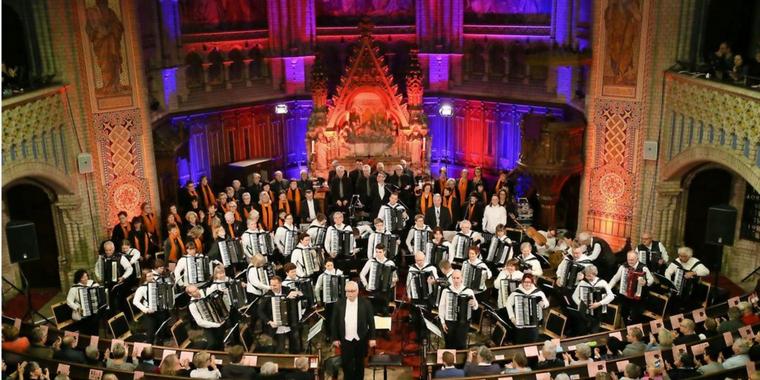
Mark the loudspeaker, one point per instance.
(721, 223)
(22, 241)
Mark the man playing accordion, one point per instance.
(336, 235)
(632, 279)
(114, 272)
(525, 307)
(82, 310)
(286, 238)
(308, 260)
(421, 288)
(213, 329)
(685, 273)
(455, 310)
(475, 272)
(155, 301)
(419, 235)
(462, 242)
(329, 289)
(382, 235)
(592, 295)
(528, 262)
(270, 310)
(570, 270)
(652, 253)
(379, 278)
(192, 268)
(393, 214)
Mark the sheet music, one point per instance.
(432, 327)
(315, 330)
(382, 323)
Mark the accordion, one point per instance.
(590, 295)
(343, 242)
(434, 253)
(389, 241)
(262, 274)
(319, 236)
(393, 218)
(461, 244)
(112, 269)
(266, 244)
(420, 240)
(160, 296)
(312, 261)
(650, 258)
(506, 287)
(457, 308)
(629, 283)
(213, 307)
(291, 239)
(498, 251)
(684, 287)
(306, 287)
(284, 311)
(472, 277)
(419, 289)
(234, 293)
(334, 288)
(231, 252)
(527, 311)
(92, 299)
(571, 274)
(380, 276)
(197, 269)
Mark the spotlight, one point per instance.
(446, 110)
(281, 109)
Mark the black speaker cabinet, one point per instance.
(22, 241)
(721, 223)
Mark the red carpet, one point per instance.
(16, 307)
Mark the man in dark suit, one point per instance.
(380, 194)
(235, 370)
(356, 172)
(353, 330)
(438, 216)
(448, 370)
(473, 211)
(340, 190)
(309, 207)
(68, 353)
(364, 186)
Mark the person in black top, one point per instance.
(687, 335)
(353, 330)
(235, 370)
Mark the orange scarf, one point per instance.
(267, 216)
(295, 197)
(198, 245)
(245, 212)
(231, 230)
(177, 219)
(284, 206)
(462, 191)
(222, 206)
(237, 216)
(149, 221)
(125, 230)
(448, 202)
(146, 242)
(271, 196)
(426, 201)
(469, 212)
(207, 195)
(176, 243)
(442, 184)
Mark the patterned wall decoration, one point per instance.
(121, 153)
(105, 48)
(621, 35)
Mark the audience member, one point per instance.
(734, 321)
(92, 357)
(448, 369)
(68, 353)
(519, 364)
(738, 70)
(33, 371)
(687, 335)
(549, 353)
(302, 370)
(118, 359)
(582, 355)
(740, 358)
(749, 317)
(269, 371)
(631, 372)
(146, 363)
(664, 340)
(712, 364)
(12, 342)
(635, 345)
(109, 376)
(684, 367)
(37, 348)
(235, 370)
(754, 70)
(171, 366)
(202, 361)
(711, 329)
(479, 363)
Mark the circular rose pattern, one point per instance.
(612, 186)
(126, 196)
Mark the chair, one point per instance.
(136, 313)
(555, 324)
(610, 318)
(499, 334)
(656, 305)
(180, 335)
(119, 327)
(247, 338)
(62, 314)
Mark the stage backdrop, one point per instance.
(199, 16)
(349, 12)
(511, 12)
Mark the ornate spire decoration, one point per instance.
(414, 88)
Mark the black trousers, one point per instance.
(294, 341)
(456, 337)
(151, 322)
(352, 354)
(526, 335)
(89, 325)
(215, 338)
(631, 310)
(328, 317)
(379, 301)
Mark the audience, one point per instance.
(235, 370)
(687, 335)
(748, 314)
(712, 364)
(269, 371)
(738, 70)
(448, 369)
(663, 342)
(734, 321)
(519, 364)
(711, 329)
(631, 372)
(635, 345)
(68, 353)
(38, 349)
(35, 372)
(92, 357)
(117, 359)
(479, 363)
(146, 363)
(740, 358)
(202, 361)
(171, 366)
(549, 353)
(12, 342)
(582, 355)
(685, 367)
(302, 370)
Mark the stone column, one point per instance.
(247, 71)
(668, 227)
(206, 80)
(227, 83)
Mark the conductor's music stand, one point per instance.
(313, 333)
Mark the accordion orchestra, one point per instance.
(213, 307)
(231, 252)
(160, 296)
(92, 299)
(630, 285)
(528, 312)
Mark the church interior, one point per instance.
(405, 189)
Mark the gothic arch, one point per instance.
(47, 175)
(690, 158)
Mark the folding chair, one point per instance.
(554, 326)
(62, 314)
(136, 313)
(119, 327)
(180, 334)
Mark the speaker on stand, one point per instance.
(22, 247)
(721, 227)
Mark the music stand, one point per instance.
(161, 329)
(314, 332)
(666, 282)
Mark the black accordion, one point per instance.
(390, 242)
(458, 307)
(289, 244)
(420, 239)
(112, 269)
(420, 291)
(684, 287)
(197, 269)
(92, 299)
(461, 246)
(306, 287)
(284, 311)
(473, 277)
(343, 242)
(160, 296)
(571, 274)
(506, 287)
(498, 251)
(590, 295)
(333, 288)
(312, 261)
(380, 276)
(528, 312)
(231, 252)
(393, 218)
(435, 253)
(213, 307)
(319, 236)
(234, 293)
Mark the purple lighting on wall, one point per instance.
(170, 87)
(438, 74)
(295, 74)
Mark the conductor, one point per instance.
(353, 329)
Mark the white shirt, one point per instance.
(199, 318)
(329, 237)
(180, 271)
(351, 319)
(312, 209)
(364, 275)
(123, 261)
(297, 258)
(443, 304)
(692, 265)
(205, 373)
(563, 268)
(520, 289)
(596, 283)
(279, 238)
(504, 275)
(534, 262)
(255, 285)
(133, 255)
(72, 299)
(413, 269)
(141, 299)
(619, 275)
(410, 237)
(374, 240)
(321, 282)
(493, 216)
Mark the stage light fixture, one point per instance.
(446, 110)
(281, 109)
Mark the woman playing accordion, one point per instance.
(475, 272)
(525, 307)
(308, 260)
(633, 278)
(570, 270)
(455, 310)
(155, 300)
(508, 280)
(685, 273)
(437, 249)
(463, 240)
(286, 237)
(330, 288)
(500, 248)
(592, 295)
(339, 240)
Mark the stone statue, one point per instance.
(105, 32)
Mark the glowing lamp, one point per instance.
(281, 109)
(446, 110)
